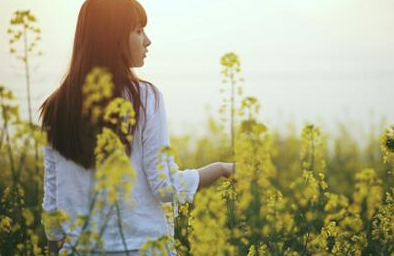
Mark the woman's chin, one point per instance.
(138, 65)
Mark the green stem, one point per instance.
(26, 61)
(120, 227)
(105, 224)
(86, 223)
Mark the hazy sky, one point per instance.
(305, 60)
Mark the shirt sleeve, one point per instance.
(54, 231)
(167, 182)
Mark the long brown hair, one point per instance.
(101, 39)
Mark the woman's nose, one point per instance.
(147, 41)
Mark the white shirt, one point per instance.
(67, 185)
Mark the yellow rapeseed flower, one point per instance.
(5, 224)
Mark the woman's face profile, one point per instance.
(138, 43)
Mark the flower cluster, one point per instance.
(387, 144)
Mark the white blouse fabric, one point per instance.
(67, 186)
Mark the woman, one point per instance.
(110, 34)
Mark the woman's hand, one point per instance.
(228, 169)
(212, 172)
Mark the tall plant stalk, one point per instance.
(23, 28)
(231, 69)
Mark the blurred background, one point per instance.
(324, 61)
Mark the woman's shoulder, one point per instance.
(149, 89)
